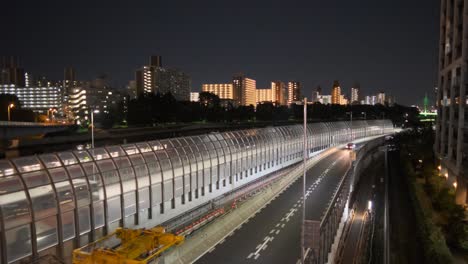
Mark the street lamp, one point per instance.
(10, 106)
(92, 126)
(50, 113)
(304, 184)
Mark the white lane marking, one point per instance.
(277, 231)
(260, 247)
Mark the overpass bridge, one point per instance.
(10, 130)
(53, 203)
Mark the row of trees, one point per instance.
(154, 109)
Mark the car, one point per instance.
(350, 145)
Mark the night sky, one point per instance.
(385, 45)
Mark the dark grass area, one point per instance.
(405, 244)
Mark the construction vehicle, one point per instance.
(127, 246)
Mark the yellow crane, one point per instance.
(127, 246)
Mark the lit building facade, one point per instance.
(294, 92)
(381, 98)
(279, 93)
(264, 95)
(370, 100)
(222, 90)
(355, 94)
(96, 96)
(343, 100)
(244, 90)
(153, 78)
(38, 99)
(194, 97)
(336, 93)
(324, 99)
(145, 80)
(451, 141)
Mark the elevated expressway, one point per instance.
(53, 203)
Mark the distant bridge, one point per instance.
(9, 130)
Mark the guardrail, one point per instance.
(30, 124)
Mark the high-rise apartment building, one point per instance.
(279, 93)
(355, 93)
(69, 77)
(154, 79)
(222, 90)
(11, 73)
(244, 90)
(96, 96)
(381, 98)
(174, 81)
(336, 93)
(451, 141)
(145, 80)
(294, 92)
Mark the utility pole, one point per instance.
(304, 185)
(92, 128)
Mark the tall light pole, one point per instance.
(10, 106)
(304, 184)
(92, 126)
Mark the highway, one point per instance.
(273, 234)
(354, 244)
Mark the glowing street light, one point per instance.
(455, 185)
(10, 106)
(92, 126)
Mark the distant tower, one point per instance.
(336, 93)
(426, 103)
(11, 73)
(355, 93)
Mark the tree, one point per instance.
(209, 99)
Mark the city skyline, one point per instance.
(317, 58)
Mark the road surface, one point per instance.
(273, 234)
